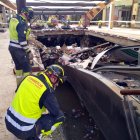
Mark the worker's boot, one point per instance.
(19, 76)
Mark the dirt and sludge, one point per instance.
(78, 124)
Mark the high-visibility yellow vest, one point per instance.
(12, 29)
(28, 33)
(30, 90)
(81, 21)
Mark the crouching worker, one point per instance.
(26, 117)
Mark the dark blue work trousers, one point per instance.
(45, 122)
(20, 59)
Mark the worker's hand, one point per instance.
(46, 133)
(56, 125)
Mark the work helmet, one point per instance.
(29, 13)
(56, 70)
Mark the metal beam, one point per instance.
(80, 0)
(111, 15)
(61, 4)
(60, 13)
(20, 5)
(92, 13)
(3, 4)
(60, 9)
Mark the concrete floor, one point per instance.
(130, 33)
(124, 32)
(7, 84)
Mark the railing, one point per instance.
(118, 22)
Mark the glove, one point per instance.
(46, 133)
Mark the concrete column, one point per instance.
(41, 17)
(13, 13)
(4, 17)
(1, 21)
(104, 14)
(111, 15)
(134, 14)
(9, 12)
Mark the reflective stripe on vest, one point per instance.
(15, 124)
(31, 90)
(14, 44)
(20, 117)
(23, 43)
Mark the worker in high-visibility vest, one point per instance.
(100, 24)
(18, 47)
(27, 116)
(68, 18)
(65, 20)
(52, 21)
(84, 21)
(81, 22)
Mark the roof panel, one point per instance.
(63, 3)
(60, 12)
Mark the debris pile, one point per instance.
(36, 61)
(94, 59)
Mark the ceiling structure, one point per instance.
(89, 8)
(8, 4)
(65, 10)
(63, 7)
